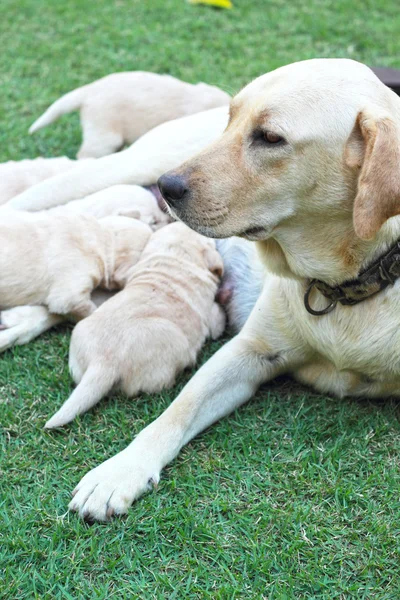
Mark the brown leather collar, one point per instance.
(377, 277)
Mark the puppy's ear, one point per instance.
(374, 149)
(214, 261)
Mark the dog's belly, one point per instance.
(323, 376)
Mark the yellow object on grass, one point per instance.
(217, 3)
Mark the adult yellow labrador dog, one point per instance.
(309, 168)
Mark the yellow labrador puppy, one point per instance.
(152, 330)
(309, 167)
(124, 200)
(118, 109)
(164, 147)
(58, 261)
(18, 176)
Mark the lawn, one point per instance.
(294, 496)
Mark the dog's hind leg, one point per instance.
(98, 141)
(96, 382)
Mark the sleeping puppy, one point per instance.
(152, 330)
(162, 148)
(118, 109)
(125, 200)
(18, 176)
(58, 261)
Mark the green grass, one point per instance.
(294, 496)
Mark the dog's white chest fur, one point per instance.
(354, 349)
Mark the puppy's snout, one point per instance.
(173, 188)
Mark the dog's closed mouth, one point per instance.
(254, 234)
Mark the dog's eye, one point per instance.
(272, 138)
(267, 138)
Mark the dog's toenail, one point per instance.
(89, 520)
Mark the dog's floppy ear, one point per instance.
(374, 149)
(214, 261)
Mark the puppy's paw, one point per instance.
(7, 339)
(20, 315)
(111, 488)
(9, 318)
(9, 332)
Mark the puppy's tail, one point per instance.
(66, 104)
(95, 383)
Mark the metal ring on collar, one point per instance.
(317, 313)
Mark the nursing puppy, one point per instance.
(118, 109)
(17, 176)
(58, 261)
(144, 336)
(309, 168)
(124, 200)
(164, 147)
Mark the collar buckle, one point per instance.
(385, 275)
(311, 310)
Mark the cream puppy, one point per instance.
(162, 148)
(58, 261)
(17, 176)
(125, 200)
(143, 337)
(118, 109)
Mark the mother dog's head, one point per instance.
(316, 137)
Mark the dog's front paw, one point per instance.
(110, 488)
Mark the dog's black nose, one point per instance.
(173, 188)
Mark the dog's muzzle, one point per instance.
(173, 188)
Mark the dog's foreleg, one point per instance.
(225, 382)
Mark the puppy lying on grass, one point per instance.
(18, 176)
(22, 324)
(58, 261)
(140, 339)
(124, 200)
(116, 110)
(163, 148)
